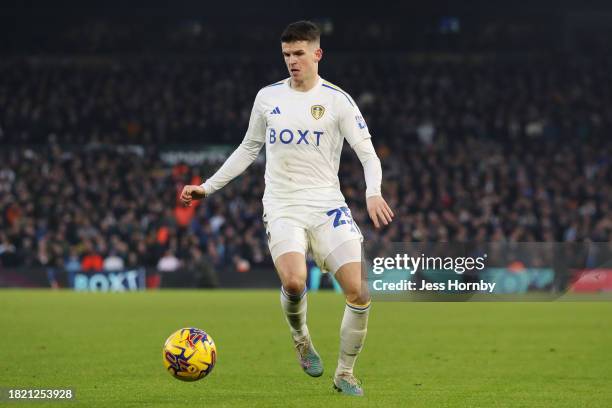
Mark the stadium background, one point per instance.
(492, 121)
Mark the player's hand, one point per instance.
(379, 211)
(191, 193)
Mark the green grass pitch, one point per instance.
(108, 348)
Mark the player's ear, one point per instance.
(318, 54)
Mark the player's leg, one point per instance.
(288, 248)
(291, 269)
(336, 243)
(346, 261)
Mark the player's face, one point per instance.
(302, 59)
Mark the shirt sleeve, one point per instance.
(244, 155)
(352, 125)
(354, 129)
(372, 169)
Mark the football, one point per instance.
(189, 354)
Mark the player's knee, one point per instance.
(292, 272)
(294, 285)
(358, 297)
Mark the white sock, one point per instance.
(295, 307)
(352, 335)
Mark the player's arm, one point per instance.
(355, 131)
(238, 161)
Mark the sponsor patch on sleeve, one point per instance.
(360, 122)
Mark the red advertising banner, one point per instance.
(592, 280)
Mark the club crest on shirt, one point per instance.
(317, 111)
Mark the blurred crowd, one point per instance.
(99, 208)
(472, 150)
(146, 35)
(208, 100)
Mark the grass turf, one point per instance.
(108, 347)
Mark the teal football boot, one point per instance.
(309, 359)
(347, 384)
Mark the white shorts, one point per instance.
(321, 231)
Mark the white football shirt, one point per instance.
(303, 133)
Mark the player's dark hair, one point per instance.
(301, 31)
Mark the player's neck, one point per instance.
(304, 85)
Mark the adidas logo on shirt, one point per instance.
(276, 111)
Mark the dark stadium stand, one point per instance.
(475, 146)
